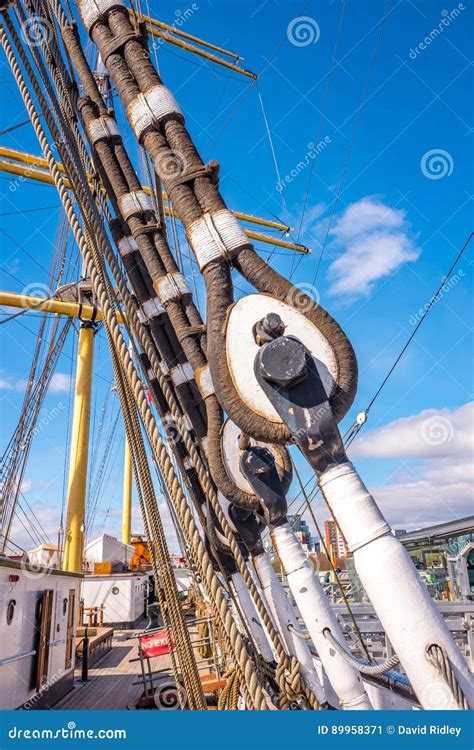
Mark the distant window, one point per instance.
(65, 602)
(10, 611)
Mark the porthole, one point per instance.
(10, 611)
(115, 590)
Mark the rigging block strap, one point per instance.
(96, 10)
(151, 109)
(216, 235)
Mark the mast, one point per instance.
(127, 495)
(79, 455)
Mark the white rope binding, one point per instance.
(181, 373)
(127, 245)
(133, 203)
(171, 287)
(151, 109)
(102, 129)
(92, 11)
(204, 381)
(151, 308)
(216, 235)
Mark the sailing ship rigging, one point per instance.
(212, 402)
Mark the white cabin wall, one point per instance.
(18, 678)
(126, 606)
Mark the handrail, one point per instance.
(17, 657)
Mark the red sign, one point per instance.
(156, 644)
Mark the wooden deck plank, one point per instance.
(110, 685)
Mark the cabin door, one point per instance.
(44, 638)
(70, 628)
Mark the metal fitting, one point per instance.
(283, 362)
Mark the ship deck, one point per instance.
(112, 679)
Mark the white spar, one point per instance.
(399, 597)
(251, 615)
(286, 622)
(317, 615)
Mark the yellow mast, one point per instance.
(127, 495)
(77, 484)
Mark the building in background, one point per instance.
(334, 540)
(303, 532)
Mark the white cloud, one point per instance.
(433, 433)
(26, 486)
(434, 479)
(373, 240)
(46, 517)
(429, 494)
(10, 384)
(60, 383)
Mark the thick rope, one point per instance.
(169, 476)
(367, 669)
(201, 468)
(438, 657)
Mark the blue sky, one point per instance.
(400, 213)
